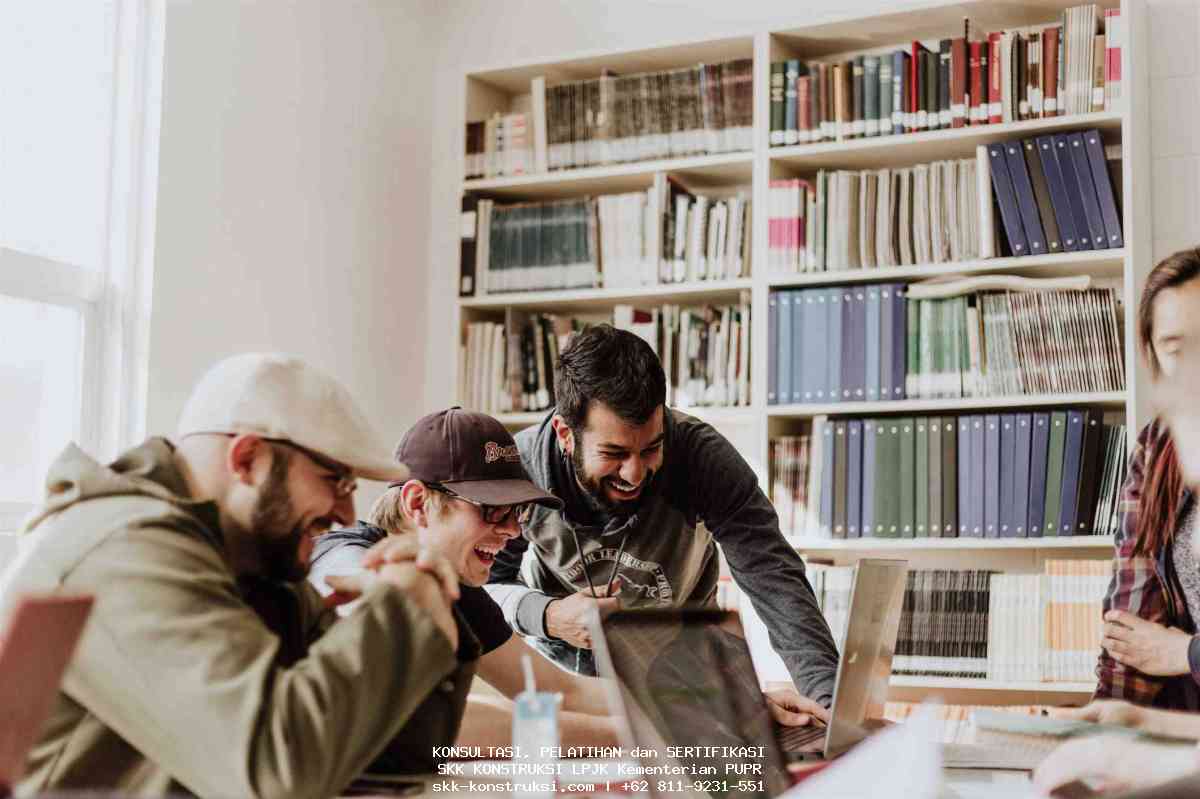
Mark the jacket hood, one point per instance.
(147, 470)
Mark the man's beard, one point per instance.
(279, 558)
(594, 486)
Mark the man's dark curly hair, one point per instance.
(613, 367)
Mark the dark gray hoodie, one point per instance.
(703, 493)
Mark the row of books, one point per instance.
(840, 220)
(885, 342)
(988, 475)
(665, 234)
(706, 108)
(1071, 67)
(981, 624)
(1055, 194)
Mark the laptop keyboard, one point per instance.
(798, 739)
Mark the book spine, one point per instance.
(995, 84)
(778, 126)
(857, 102)
(871, 99)
(945, 111)
(791, 118)
(959, 101)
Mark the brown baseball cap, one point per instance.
(473, 455)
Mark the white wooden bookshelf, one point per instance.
(494, 88)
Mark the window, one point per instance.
(80, 102)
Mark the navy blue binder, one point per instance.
(773, 348)
(833, 328)
(872, 315)
(1075, 200)
(1024, 423)
(1087, 190)
(1072, 454)
(783, 382)
(1007, 199)
(1104, 189)
(966, 462)
(1091, 467)
(1026, 203)
(991, 476)
(814, 348)
(854, 478)
(867, 521)
(851, 345)
(826, 516)
(899, 340)
(1059, 200)
(1008, 456)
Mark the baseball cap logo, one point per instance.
(493, 452)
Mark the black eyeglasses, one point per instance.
(346, 483)
(492, 514)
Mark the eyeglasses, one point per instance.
(346, 483)
(492, 514)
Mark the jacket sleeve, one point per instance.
(724, 490)
(1135, 586)
(524, 607)
(176, 663)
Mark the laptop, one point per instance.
(35, 648)
(686, 698)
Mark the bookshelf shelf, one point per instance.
(881, 151)
(1111, 399)
(1097, 263)
(1086, 542)
(580, 299)
(704, 170)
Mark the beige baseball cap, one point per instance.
(281, 397)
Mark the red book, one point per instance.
(958, 82)
(1050, 105)
(995, 87)
(976, 115)
(914, 68)
(804, 112)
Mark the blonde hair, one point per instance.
(388, 511)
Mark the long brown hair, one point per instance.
(1159, 506)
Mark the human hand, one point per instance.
(1147, 646)
(407, 547)
(1104, 711)
(568, 618)
(1113, 762)
(790, 708)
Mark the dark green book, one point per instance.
(921, 476)
(887, 489)
(840, 461)
(1054, 467)
(904, 477)
(933, 487)
(950, 485)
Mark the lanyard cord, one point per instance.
(612, 575)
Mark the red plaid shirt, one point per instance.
(1149, 588)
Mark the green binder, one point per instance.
(1054, 468)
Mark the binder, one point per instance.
(930, 483)
(1054, 473)
(858, 331)
(833, 363)
(1041, 194)
(773, 347)
(904, 476)
(978, 476)
(1024, 436)
(854, 478)
(849, 343)
(813, 346)
(869, 467)
(1067, 166)
(1026, 204)
(1006, 198)
(1039, 447)
(899, 340)
(1087, 191)
(1008, 456)
(840, 462)
(1072, 455)
(887, 328)
(949, 469)
(1091, 465)
(1059, 201)
(783, 382)
(991, 476)
(887, 487)
(873, 315)
(1104, 189)
(965, 465)
(826, 515)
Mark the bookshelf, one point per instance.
(496, 88)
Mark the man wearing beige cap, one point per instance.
(204, 667)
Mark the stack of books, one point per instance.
(1071, 67)
(987, 475)
(886, 342)
(498, 146)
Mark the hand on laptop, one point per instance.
(1112, 762)
(791, 709)
(568, 618)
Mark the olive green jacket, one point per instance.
(179, 684)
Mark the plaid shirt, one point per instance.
(1149, 588)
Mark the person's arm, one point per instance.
(1115, 763)
(1156, 721)
(488, 722)
(524, 607)
(1135, 586)
(502, 669)
(724, 490)
(179, 666)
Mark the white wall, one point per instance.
(293, 197)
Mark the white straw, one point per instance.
(527, 665)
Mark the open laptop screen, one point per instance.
(691, 698)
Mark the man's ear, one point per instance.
(242, 455)
(564, 434)
(412, 502)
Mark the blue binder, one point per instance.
(773, 348)
(1058, 194)
(978, 476)
(1087, 190)
(1039, 450)
(1074, 199)
(1024, 423)
(833, 328)
(826, 515)
(815, 351)
(854, 478)
(1026, 203)
(873, 316)
(965, 464)
(867, 521)
(1104, 190)
(1072, 452)
(1008, 456)
(1007, 199)
(899, 341)
(858, 338)
(783, 382)
(849, 343)
(991, 476)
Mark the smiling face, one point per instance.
(614, 460)
(456, 529)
